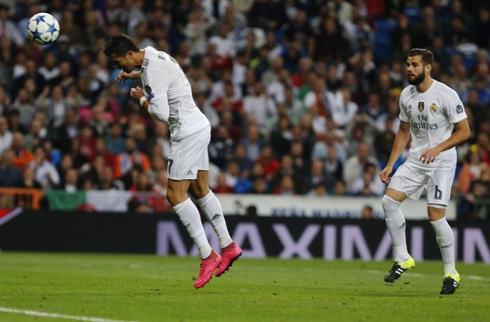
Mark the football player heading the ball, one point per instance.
(167, 96)
(429, 111)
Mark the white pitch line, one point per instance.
(58, 316)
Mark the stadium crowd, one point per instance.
(302, 96)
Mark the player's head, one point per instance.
(419, 65)
(122, 50)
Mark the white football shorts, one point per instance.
(412, 180)
(189, 155)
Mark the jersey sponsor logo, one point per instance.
(421, 106)
(424, 126)
(433, 107)
(459, 109)
(421, 122)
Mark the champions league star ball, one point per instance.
(43, 28)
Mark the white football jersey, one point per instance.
(431, 116)
(170, 96)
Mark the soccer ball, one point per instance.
(43, 28)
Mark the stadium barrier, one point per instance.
(240, 204)
(11, 198)
(260, 237)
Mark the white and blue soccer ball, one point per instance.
(43, 28)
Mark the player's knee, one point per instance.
(175, 197)
(436, 213)
(389, 204)
(199, 191)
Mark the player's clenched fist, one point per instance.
(136, 93)
(385, 174)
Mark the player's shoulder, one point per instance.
(407, 92)
(442, 88)
(151, 53)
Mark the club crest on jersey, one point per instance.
(433, 107)
(421, 106)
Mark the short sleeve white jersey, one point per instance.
(431, 116)
(170, 96)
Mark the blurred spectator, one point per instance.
(370, 184)
(6, 136)
(357, 164)
(70, 183)
(158, 164)
(13, 119)
(339, 189)
(86, 140)
(101, 149)
(474, 201)
(8, 29)
(260, 105)
(252, 143)
(22, 155)
(63, 134)
(115, 140)
(367, 212)
(268, 162)
(160, 185)
(10, 176)
(222, 185)
(334, 168)
(240, 156)
(221, 147)
(287, 169)
(142, 184)
(23, 104)
(472, 170)
(29, 180)
(384, 142)
(321, 148)
(320, 190)
(317, 176)
(44, 171)
(107, 181)
(259, 186)
(130, 156)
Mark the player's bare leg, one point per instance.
(445, 240)
(211, 207)
(395, 222)
(191, 219)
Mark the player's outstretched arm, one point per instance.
(462, 133)
(401, 139)
(123, 76)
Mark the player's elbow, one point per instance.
(466, 133)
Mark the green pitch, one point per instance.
(151, 288)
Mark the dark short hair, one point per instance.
(119, 45)
(427, 55)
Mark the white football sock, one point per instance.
(191, 219)
(214, 213)
(395, 222)
(445, 240)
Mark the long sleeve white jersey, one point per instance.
(431, 116)
(170, 96)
